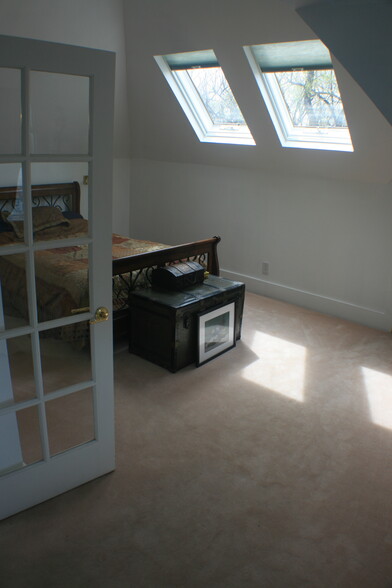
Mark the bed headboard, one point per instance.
(66, 196)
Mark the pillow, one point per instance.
(44, 217)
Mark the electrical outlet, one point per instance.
(265, 268)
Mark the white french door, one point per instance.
(56, 368)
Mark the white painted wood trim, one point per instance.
(371, 317)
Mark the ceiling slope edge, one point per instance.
(358, 35)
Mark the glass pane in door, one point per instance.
(60, 210)
(10, 110)
(20, 439)
(60, 200)
(65, 356)
(30, 435)
(59, 113)
(14, 308)
(11, 204)
(62, 282)
(70, 420)
(20, 357)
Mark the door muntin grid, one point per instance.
(34, 410)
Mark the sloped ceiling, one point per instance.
(159, 130)
(368, 54)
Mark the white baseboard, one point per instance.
(370, 317)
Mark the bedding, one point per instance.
(62, 275)
(44, 217)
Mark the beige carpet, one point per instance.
(269, 467)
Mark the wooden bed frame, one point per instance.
(66, 197)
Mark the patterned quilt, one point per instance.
(61, 274)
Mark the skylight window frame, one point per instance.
(196, 112)
(332, 139)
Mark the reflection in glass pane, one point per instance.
(11, 457)
(11, 204)
(13, 291)
(59, 113)
(65, 356)
(20, 439)
(54, 188)
(50, 223)
(20, 359)
(10, 111)
(29, 434)
(62, 285)
(70, 420)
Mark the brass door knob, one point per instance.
(101, 314)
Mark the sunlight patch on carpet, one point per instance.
(379, 395)
(280, 367)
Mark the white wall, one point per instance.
(90, 23)
(328, 243)
(161, 131)
(121, 196)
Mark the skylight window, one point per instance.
(204, 94)
(299, 87)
